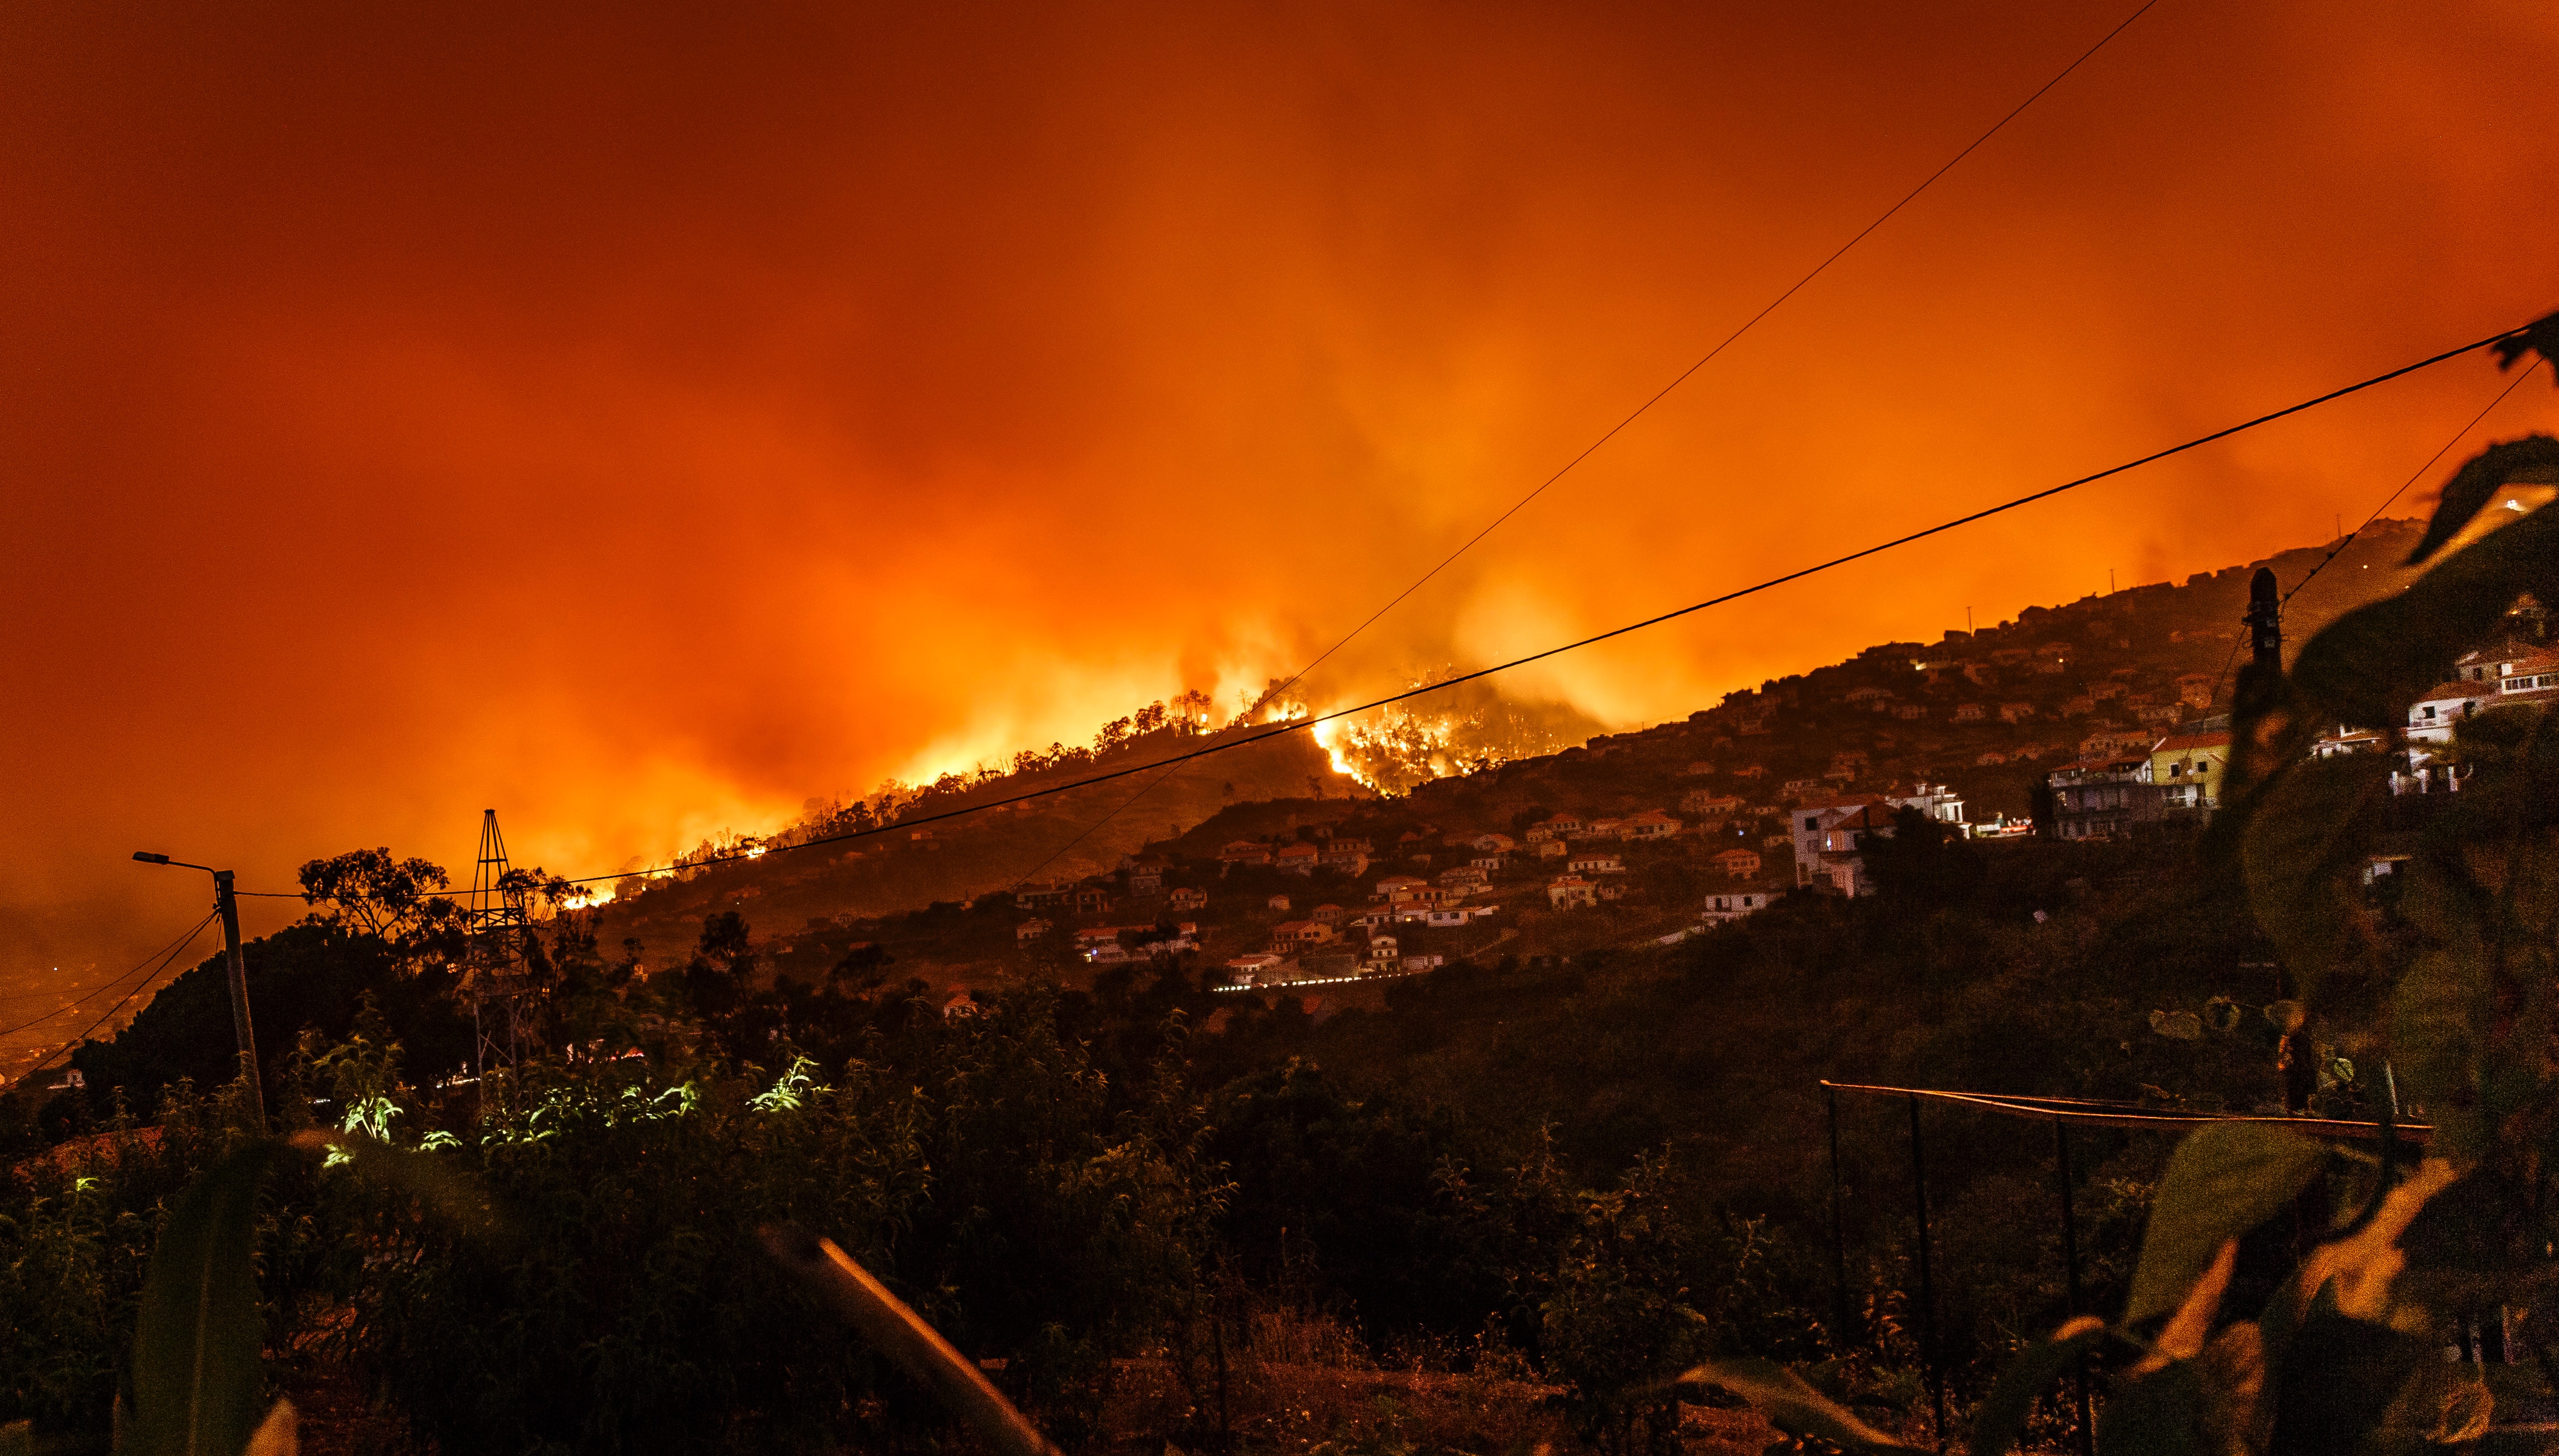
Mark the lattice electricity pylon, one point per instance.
(495, 977)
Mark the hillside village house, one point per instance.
(1187, 898)
(1031, 930)
(1278, 902)
(2348, 740)
(1652, 823)
(2109, 743)
(1350, 856)
(1297, 934)
(1738, 864)
(1567, 892)
(1708, 802)
(1830, 850)
(1493, 843)
(1970, 712)
(1553, 850)
(1561, 826)
(1145, 876)
(1259, 970)
(1093, 900)
(2094, 798)
(2432, 716)
(1328, 914)
(1596, 864)
(2187, 767)
(1489, 864)
(1245, 851)
(1042, 896)
(1390, 887)
(1733, 905)
(2015, 712)
(1298, 859)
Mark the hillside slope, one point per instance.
(1896, 713)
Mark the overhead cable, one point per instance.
(1295, 725)
(1728, 339)
(174, 953)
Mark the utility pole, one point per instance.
(227, 905)
(2266, 628)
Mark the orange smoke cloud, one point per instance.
(640, 422)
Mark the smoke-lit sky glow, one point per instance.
(641, 421)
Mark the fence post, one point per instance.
(1838, 1232)
(1927, 1286)
(2070, 1260)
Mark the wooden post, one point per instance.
(1927, 1285)
(2070, 1262)
(1839, 1234)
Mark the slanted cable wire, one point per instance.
(1300, 724)
(109, 984)
(164, 961)
(1729, 341)
(1639, 411)
(2413, 477)
(2418, 474)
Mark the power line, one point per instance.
(2349, 539)
(1728, 339)
(1300, 725)
(1618, 428)
(109, 984)
(174, 953)
(2413, 477)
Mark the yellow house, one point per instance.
(2187, 767)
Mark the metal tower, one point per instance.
(495, 977)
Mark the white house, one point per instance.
(1733, 905)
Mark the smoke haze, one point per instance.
(639, 420)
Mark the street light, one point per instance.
(228, 908)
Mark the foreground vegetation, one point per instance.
(1580, 1194)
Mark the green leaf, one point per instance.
(2223, 1181)
(280, 1434)
(432, 1180)
(197, 1383)
(1791, 1405)
(2001, 1416)
(2155, 1413)
(2338, 1379)
(2369, 664)
(2541, 337)
(2304, 856)
(2439, 1017)
(2533, 459)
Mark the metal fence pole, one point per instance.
(2070, 1260)
(1839, 1233)
(1927, 1285)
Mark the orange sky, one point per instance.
(639, 423)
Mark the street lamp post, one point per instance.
(228, 908)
